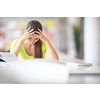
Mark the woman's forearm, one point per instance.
(52, 51)
(17, 47)
(28, 33)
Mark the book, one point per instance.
(2, 58)
(84, 64)
(77, 65)
(8, 57)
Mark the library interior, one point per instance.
(76, 41)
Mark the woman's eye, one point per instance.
(30, 38)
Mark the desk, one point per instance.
(82, 75)
(89, 75)
(63, 74)
(35, 71)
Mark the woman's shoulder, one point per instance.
(15, 41)
(44, 45)
(13, 44)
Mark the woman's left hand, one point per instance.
(41, 36)
(52, 51)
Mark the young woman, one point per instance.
(33, 44)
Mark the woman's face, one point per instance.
(33, 40)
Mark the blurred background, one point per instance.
(72, 37)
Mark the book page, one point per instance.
(9, 57)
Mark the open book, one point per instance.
(8, 57)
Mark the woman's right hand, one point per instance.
(28, 33)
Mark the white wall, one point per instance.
(91, 40)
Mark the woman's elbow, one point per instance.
(15, 53)
(55, 58)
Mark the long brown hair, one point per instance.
(35, 25)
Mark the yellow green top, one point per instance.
(22, 53)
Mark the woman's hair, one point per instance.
(35, 25)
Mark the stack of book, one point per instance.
(76, 63)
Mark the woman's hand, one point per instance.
(28, 33)
(41, 36)
(52, 51)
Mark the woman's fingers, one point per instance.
(36, 36)
(31, 34)
(32, 30)
(28, 29)
(39, 30)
